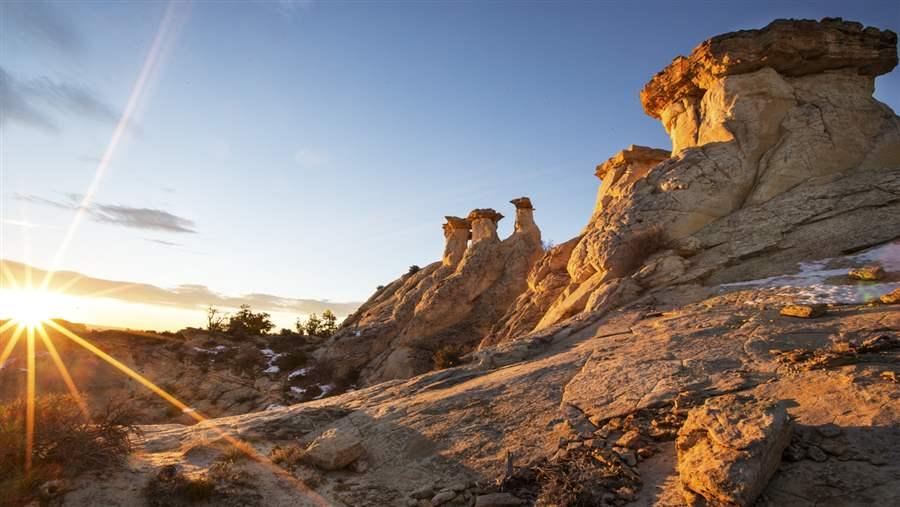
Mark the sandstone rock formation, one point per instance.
(634, 332)
(780, 154)
(455, 301)
(729, 448)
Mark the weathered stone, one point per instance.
(631, 439)
(804, 311)
(871, 272)
(497, 500)
(335, 448)
(457, 232)
(891, 298)
(730, 447)
(790, 47)
(443, 497)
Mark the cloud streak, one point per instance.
(188, 296)
(33, 102)
(115, 214)
(41, 23)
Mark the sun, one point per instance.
(31, 307)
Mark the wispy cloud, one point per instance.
(33, 102)
(162, 242)
(187, 296)
(125, 216)
(42, 23)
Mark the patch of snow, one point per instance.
(298, 390)
(220, 348)
(274, 406)
(327, 388)
(272, 369)
(267, 352)
(298, 373)
(808, 284)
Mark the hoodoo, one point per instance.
(451, 303)
(780, 154)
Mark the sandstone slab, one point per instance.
(729, 448)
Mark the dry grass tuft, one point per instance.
(65, 444)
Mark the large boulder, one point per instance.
(729, 448)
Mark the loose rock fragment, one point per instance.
(891, 297)
(804, 311)
(871, 272)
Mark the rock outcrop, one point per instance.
(780, 154)
(455, 301)
(729, 448)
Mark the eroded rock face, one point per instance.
(729, 448)
(780, 155)
(457, 300)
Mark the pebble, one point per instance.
(829, 430)
(816, 454)
(630, 439)
(443, 497)
(425, 492)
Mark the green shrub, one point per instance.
(246, 322)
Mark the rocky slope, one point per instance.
(648, 361)
(454, 301)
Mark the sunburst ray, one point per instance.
(29, 407)
(64, 372)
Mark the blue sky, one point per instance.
(311, 149)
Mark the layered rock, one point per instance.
(456, 301)
(729, 448)
(780, 154)
(458, 232)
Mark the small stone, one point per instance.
(804, 311)
(870, 273)
(829, 430)
(424, 492)
(497, 500)
(443, 497)
(52, 489)
(645, 452)
(835, 447)
(794, 453)
(458, 487)
(891, 297)
(629, 458)
(630, 439)
(816, 454)
(889, 376)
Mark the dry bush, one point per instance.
(287, 457)
(249, 360)
(579, 479)
(171, 488)
(65, 444)
(448, 355)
